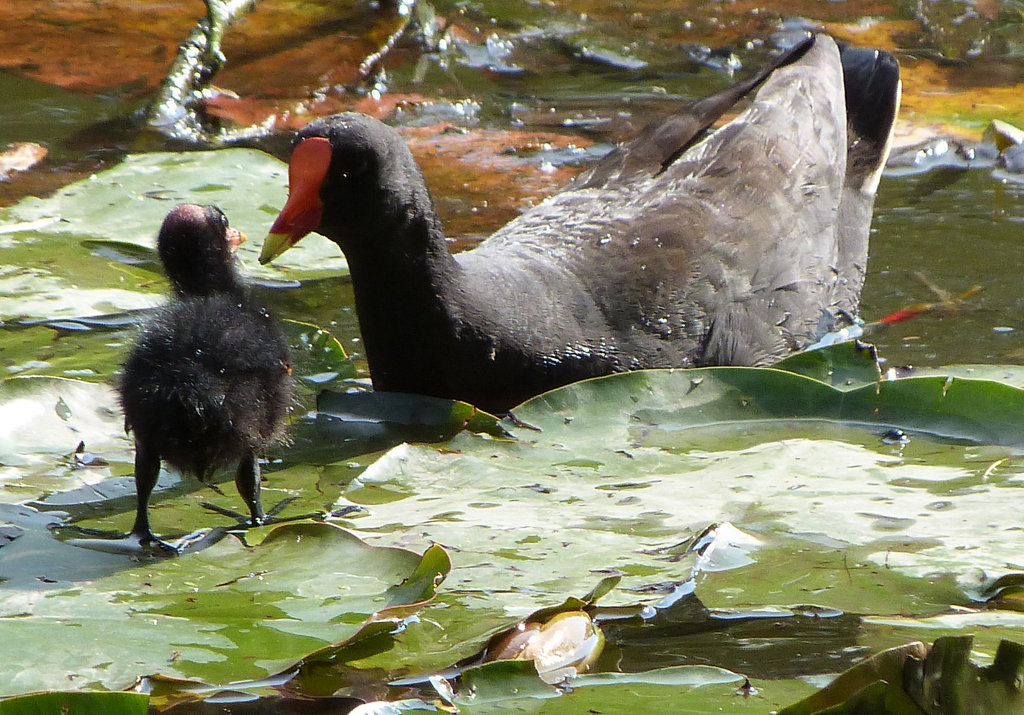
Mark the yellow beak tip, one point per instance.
(273, 246)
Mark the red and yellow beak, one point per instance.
(307, 169)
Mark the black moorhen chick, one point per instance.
(686, 246)
(207, 384)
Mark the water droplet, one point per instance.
(895, 436)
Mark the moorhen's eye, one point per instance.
(215, 216)
(353, 167)
(218, 216)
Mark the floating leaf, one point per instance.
(626, 470)
(412, 417)
(1004, 135)
(94, 218)
(222, 614)
(323, 671)
(979, 410)
(845, 365)
(561, 647)
(886, 666)
(319, 359)
(41, 417)
(913, 680)
(79, 703)
(510, 684)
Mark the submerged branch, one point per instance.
(372, 61)
(177, 110)
(172, 111)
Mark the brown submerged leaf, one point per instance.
(21, 156)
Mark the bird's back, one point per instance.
(730, 249)
(207, 381)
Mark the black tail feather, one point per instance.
(872, 79)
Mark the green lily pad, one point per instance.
(983, 411)
(225, 613)
(845, 365)
(327, 670)
(42, 421)
(1005, 374)
(914, 680)
(319, 359)
(97, 220)
(505, 685)
(80, 703)
(623, 470)
(615, 479)
(417, 418)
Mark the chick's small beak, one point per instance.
(310, 161)
(235, 238)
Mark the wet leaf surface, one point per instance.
(84, 703)
(755, 524)
(125, 205)
(225, 613)
(916, 679)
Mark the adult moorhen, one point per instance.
(686, 246)
(207, 383)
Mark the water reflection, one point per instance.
(957, 228)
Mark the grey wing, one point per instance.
(772, 182)
(742, 227)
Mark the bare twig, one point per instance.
(172, 111)
(369, 65)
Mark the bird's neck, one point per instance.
(200, 284)
(435, 325)
(407, 285)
